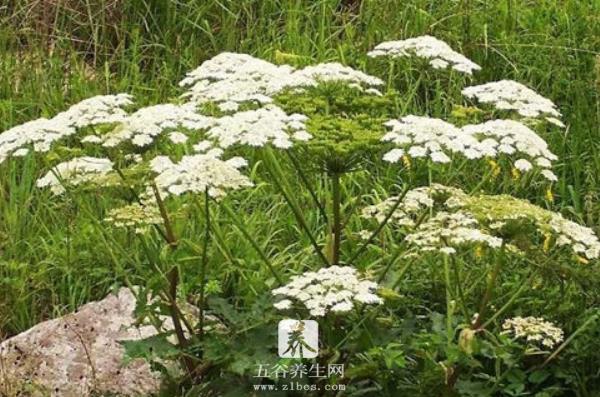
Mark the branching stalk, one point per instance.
(380, 227)
(337, 221)
(278, 178)
(251, 240)
(201, 303)
(308, 186)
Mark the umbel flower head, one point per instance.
(75, 172)
(143, 126)
(137, 216)
(438, 217)
(438, 140)
(331, 289)
(259, 127)
(231, 79)
(511, 95)
(445, 231)
(534, 330)
(199, 173)
(438, 53)
(40, 134)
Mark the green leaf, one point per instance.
(150, 349)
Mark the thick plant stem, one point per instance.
(279, 181)
(337, 220)
(306, 182)
(201, 302)
(173, 278)
(251, 240)
(380, 227)
(487, 294)
(570, 339)
(514, 297)
(449, 303)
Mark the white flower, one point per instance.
(20, 152)
(230, 79)
(534, 330)
(74, 172)
(94, 139)
(178, 137)
(451, 218)
(137, 216)
(198, 173)
(144, 125)
(101, 109)
(393, 155)
(202, 146)
(283, 305)
(42, 133)
(523, 165)
(330, 289)
(268, 125)
(511, 95)
(437, 140)
(549, 175)
(444, 231)
(439, 54)
(423, 136)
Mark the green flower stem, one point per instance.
(449, 305)
(134, 194)
(337, 221)
(491, 282)
(234, 217)
(401, 275)
(304, 180)
(390, 81)
(570, 339)
(173, 275)
(371, 315)
(380, 227)
(461, 293)
(201, 302)
(279, 181)
(483, 181)
(514, 296)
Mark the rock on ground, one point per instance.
(79, 354)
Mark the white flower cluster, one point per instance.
(509, 137)
(534, 330)
(230, 79)
(511, 95)
(75, 172)
(198, 173)
(414, 202)
(138, 216)
(144, 125)
(269, 124)
(330, 289)
(445, 231)
(332, 72)
(439, 54)
(42, 133)
(427, 137)
(100, 109)
(480, 219)
(437, 139)
(581, 239)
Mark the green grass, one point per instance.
(55, 256)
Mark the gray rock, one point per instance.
(80, 354)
